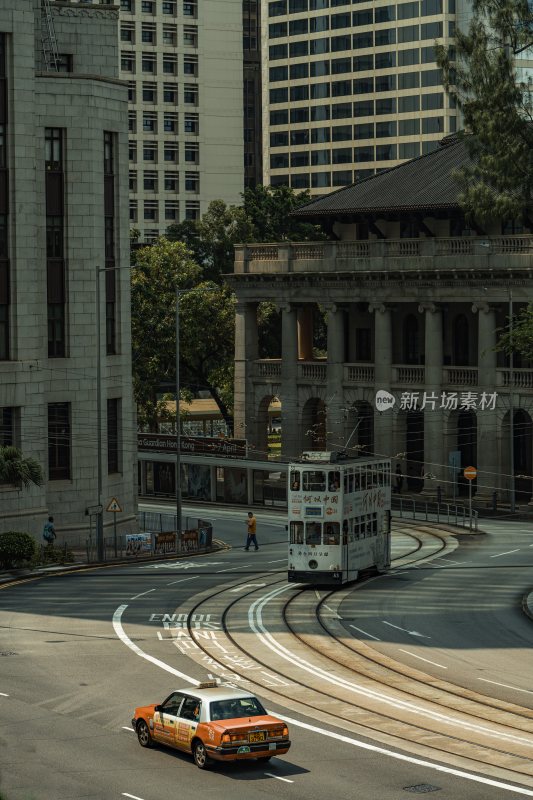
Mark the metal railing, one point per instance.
(408, 508)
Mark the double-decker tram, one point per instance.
(339, 518)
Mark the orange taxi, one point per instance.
(214, 723)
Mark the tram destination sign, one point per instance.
(196, 445)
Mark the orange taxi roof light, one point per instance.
(207, 685)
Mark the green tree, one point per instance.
(206, 332)
(521, 338)
(158, 270)
(17, 469)
(480, 73)
(268, 208)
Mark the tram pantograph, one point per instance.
(339, 518)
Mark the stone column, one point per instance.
(246, 348)
(383, 420)
(335, 379)
(487, 422)
(435, 458)
(305, 333)
(290, 427)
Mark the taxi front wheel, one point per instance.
(143, 735)
(200, 755)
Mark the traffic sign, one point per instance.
(113, 506)
(470, 473)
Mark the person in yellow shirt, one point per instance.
(251, 524)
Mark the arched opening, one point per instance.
(314, 425)
(461, 341)
(523, 442)
(411, 431)
(268, 427)
(411, 340)
(466, 443)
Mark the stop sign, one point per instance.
(470, 473)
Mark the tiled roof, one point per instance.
(424, 183)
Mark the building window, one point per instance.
(7, 427)
(190, 94)
(56, 330)
(170, 65)
(168, 7)
(190, 36)
(54, 237)
(171, 182)
(150, 181)
(192, 182)
(171, 210)
(170, 34)
(132, 92)
(4, 330)
(150, 151)
(190, 8)
(192, 210)
(127, 62)
(192, 152)
(127, 33)
(59, 441)
(147, 6)
(149, 93)
(190, 65)
(149, 122)
(133, 211)
(53, 142)
(170, 152)
(113, 436)
(170, 93)
(150, 210)
(148, 63)
(170, 123)
(133, 181)
(148, 33)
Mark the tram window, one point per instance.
(297, 532)
(357, 529)
(313, 532)
(345, 531)
(371, 478)
(351, 482)
(334, 482)
(345, 482)
(332, 533)
(314, 481)
(295, 481)
(357, 481)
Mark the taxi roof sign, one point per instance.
(114, 506)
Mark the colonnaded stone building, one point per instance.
(63, 222)
(414, 300)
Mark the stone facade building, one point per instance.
(63, 231)
(414, 300)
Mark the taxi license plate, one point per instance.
(257, 736)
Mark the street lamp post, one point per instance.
(512, 497)
(179, 292)
(100, 510)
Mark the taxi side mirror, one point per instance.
(158, 708)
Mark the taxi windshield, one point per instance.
(236, 707)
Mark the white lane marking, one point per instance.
(317, 593)
(276, 561)
(365, 633)
(192, 578)
(448, 560)
(409, 759)
(133, 796)
(3, 694)
(246, 586)
(322, 731)
(507, 552)
(142, 594)
(278, 777)
(255, 622)
(411, 633)
(332, 611)
(231, 569)
(506, 686)
(422, 659)
(119, 630)
(125, 728)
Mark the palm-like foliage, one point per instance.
(15, 468)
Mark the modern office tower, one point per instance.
(65, 382)
(183, 62)
(251, 44)
(351, 88)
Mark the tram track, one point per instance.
(238, 650)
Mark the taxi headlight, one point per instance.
(285, 731)
(226, 739)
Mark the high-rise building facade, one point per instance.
(252, 92)
(351, 88)
(183, 62)
(63, 235)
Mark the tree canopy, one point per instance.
(18, 469)
(206, 331)
(482, 75)
(521, 338)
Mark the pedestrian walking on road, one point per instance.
(49, 531)
(251, 524)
